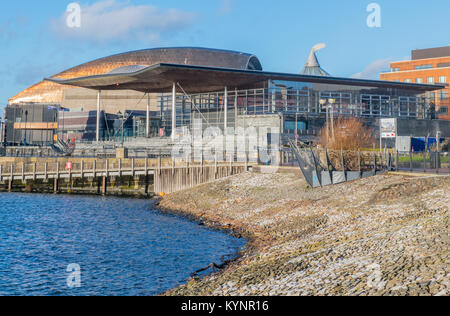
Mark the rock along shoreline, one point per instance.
(386, 235)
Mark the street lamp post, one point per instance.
(124, 119)
(322, 103)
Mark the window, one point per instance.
(378, 105)
(407, 80)
(395, 69)
(419, 80)
(342, 101)
(443, 110)
(408, 106)
(442, 79)
(443, 95)
(423, 67)
(430, 80)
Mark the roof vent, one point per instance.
(312, 66)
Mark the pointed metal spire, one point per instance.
(312, 66)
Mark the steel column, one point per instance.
(225, 109)
(174, 110)
(147, 119)
(98, 116)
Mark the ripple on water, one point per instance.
(123, 246)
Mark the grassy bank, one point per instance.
(386, 235)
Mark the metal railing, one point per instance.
(426, 162)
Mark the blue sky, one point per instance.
(36, 43)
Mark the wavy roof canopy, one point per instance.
(50, 92)
(197, 79)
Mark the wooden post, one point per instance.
(55, 185)
(159, 163)
(343, 164)
(120, 167)
(56, 179)
(46, 171)
(202, 164)
(70, 178)
(146, 176)
(438, 159)
(11, 179)
(34, 171)
(82, 169)
(396, 161)
(374, 164)
(146, 167)
(424, 161)
(23, 172)
(246, 161)
(104, 182)
(173, 167)
(94, 168)
(359, 161)
(1, 173)
(216, 169)
(132, 167)
(410, 161)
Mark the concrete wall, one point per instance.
(273, 121)
(423, 128)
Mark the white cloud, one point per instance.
(112, 20)
(373, 70)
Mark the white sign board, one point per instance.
(388, 128)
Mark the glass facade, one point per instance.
(297, 99)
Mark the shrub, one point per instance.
(349, 134)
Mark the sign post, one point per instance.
(388, 129)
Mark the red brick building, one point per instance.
(426, 66)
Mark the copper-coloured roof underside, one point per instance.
(197, 79)
(51, 92)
